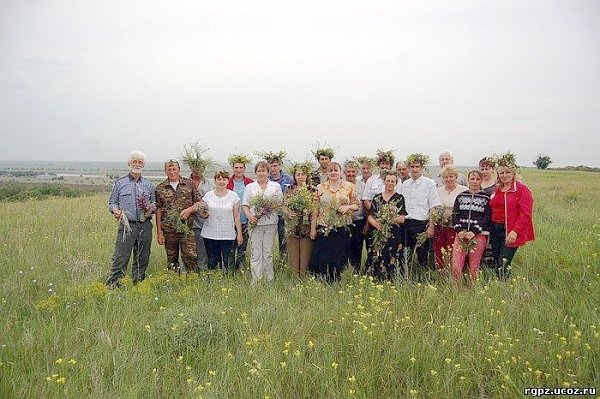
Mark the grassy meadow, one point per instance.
(62, 334)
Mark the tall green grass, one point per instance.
(62, 334)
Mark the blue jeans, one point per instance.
(220, 252)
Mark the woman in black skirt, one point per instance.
(330, 225)
(385, 221)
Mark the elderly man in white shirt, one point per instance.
(421, 197)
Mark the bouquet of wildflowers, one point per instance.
(264, 204)
(302, 203)
(143, 203)
(468, 246)
(421, 239)
(385, 216)
(441, 216)
(173, 219)
(202, 207)
(332, 218)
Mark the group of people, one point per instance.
(324, 218)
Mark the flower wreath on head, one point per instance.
(324, 151)
(364, 160)
(508, 159)
(306, 167)
(491, 160)
(193, 156)
(417, 158)
(239, 158)
(385, 156)
(271, 156)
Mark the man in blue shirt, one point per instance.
(285, 181)
(132, 202)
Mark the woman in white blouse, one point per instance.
(222, 227)
(444, 233)
(263, 222)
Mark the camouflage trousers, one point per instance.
(174, 242)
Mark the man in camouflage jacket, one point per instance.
(176, 199)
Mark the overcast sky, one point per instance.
(93, 80)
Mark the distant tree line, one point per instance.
(16, 192)
(22, 173)
(580, 168)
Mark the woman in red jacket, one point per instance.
(512, 215)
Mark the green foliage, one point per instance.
(15, 192)
(542, 161)
(507, 159)
(580, 168)
(64, 335)
(194, 156)
(239, 158)
(323, 151)
(271, 156)
(417, 157)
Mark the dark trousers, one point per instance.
(281, 235)
(503, 255)
(356, 243)
(220, 252)
(240, 250)
(412, 228)
(137, 240)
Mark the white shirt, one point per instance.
(252, 190)
(447, 198)
(220, 224)
(420, 196)
(373, 186)
(359, 188)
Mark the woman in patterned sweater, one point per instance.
(471, 219)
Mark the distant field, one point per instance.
(62, 334)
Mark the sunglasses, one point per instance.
(171, 161)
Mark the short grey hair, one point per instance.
(447, 153)
(136, 155)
